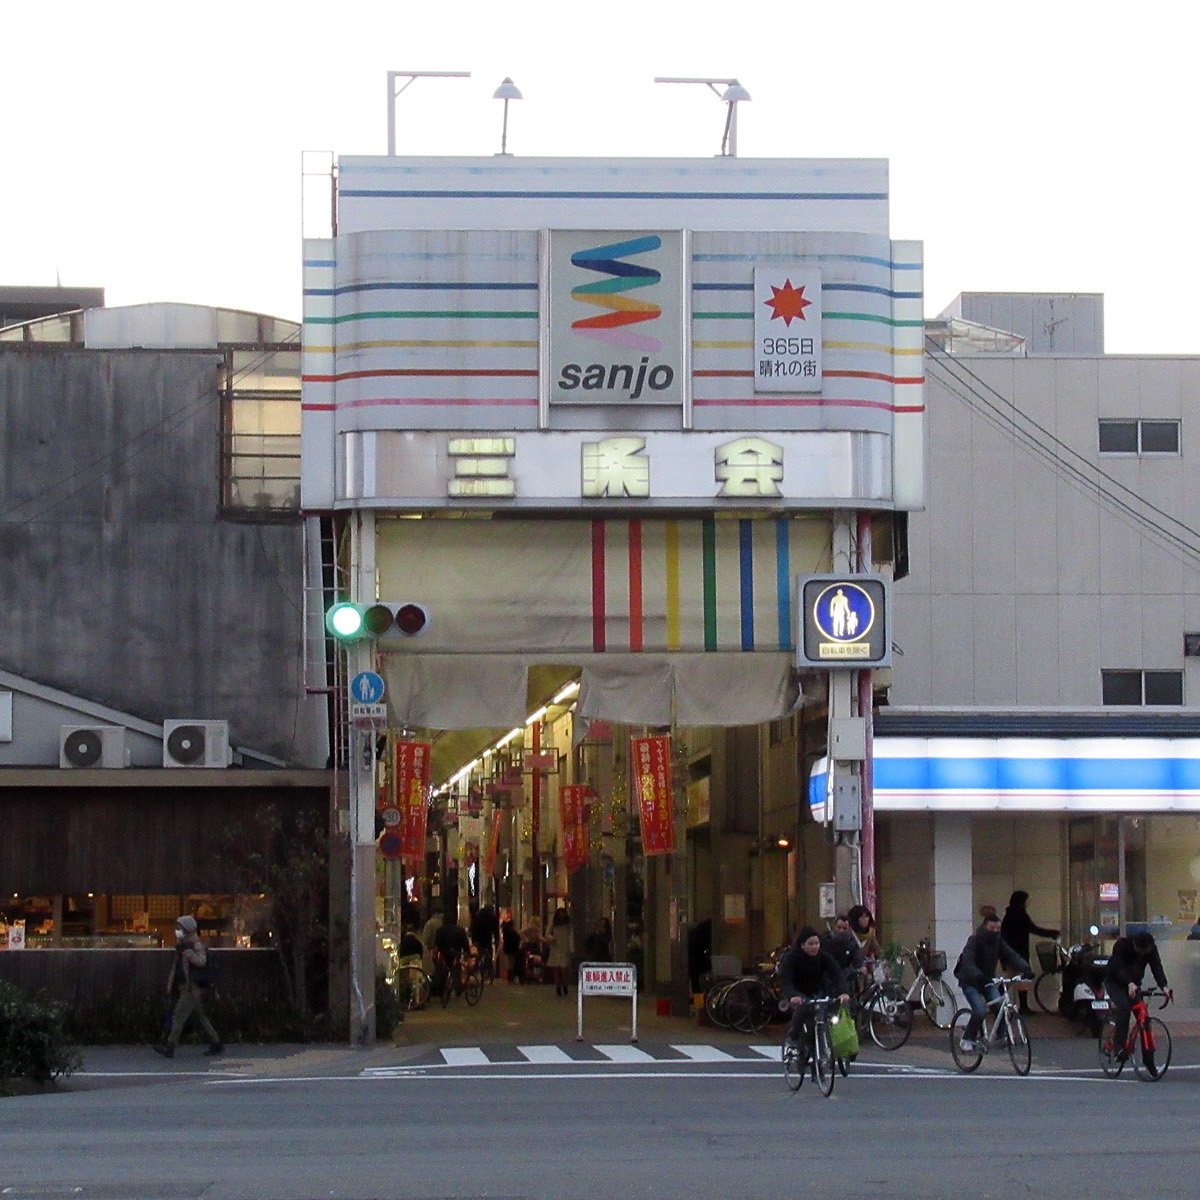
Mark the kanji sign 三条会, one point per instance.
(651, 757)
(412, 791)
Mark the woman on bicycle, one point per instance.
(1126, 968)
(806, 971)
(975, 970)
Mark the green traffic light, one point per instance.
(344, 621)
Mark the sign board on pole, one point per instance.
(828, 900)
(845, 622)
(367, 687)
(368, 714)
(607, 979)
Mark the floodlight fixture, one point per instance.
(409, 77)
(733, 95)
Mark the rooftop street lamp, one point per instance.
(733, 95)
(506, 91)
(393, 91)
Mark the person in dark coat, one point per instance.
(699, 952)
(975, 970)
(1126, 968)
(806, 972)
(1015, 929)
(842, 946)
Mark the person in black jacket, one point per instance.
(975, 970)
(842, 946)
(1015, 929)
(1126, 968)
(806, 972)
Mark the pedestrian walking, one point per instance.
(1015, 928)
(561, 946)
(192, 976)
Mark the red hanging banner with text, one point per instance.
(651, 758)
(574, 812)
(412, 793)
(493, 843)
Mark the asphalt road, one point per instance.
(369, 1126)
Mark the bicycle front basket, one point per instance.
(933, 962)
(1047, 953)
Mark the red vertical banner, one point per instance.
(651, 757)
(493, 843)
(412, 791)
(574, 812)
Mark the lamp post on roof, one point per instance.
(409, 77)
(733, 95)
(506, 91)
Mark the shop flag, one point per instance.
(412, 794)
(574, 813)
(651, 758)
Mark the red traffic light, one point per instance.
(411, 619)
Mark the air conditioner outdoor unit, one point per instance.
(196, 744)
(92, 746)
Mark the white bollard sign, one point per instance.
(607, 979)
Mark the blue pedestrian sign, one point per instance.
(367, 688)
(845, 621)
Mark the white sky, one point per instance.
(155, 149)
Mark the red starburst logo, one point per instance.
(787, 302)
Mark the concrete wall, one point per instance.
(122, 583)
(1023, 586)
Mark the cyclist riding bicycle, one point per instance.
(450, 943)
(1126, 968)
(842, 946)
(975, 970)
(806, 971)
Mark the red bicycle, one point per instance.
(1148, 1045)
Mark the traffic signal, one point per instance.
(350, 622)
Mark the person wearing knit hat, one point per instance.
(188, 973)
(806, 971)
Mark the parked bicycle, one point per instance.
(1007, 1029)
(817, 1054)
(881, 1008)
(1047, 988)
(413, 986)
(929, 991)
(1147, 1046)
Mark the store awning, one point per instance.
(1028, 775)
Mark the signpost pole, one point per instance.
(866, 702)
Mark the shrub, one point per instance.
(33, 1040)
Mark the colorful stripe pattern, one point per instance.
(610, 327)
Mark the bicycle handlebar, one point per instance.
(1149, 993)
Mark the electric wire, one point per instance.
(1035, 438)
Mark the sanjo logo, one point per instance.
(613, 327)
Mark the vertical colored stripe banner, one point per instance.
(412, 792)
(783, 582)
(598, 637)
(636, 635)
(746, 580)
(710, 584)
(651, 757)
(671, 570)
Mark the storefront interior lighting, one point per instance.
(534, 717)
(566, 692)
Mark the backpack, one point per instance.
(208, 975)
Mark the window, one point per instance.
(1139, 437)
(1142, 687)
(262, 432)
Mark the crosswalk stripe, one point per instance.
(766, 1051)
(545, 1054)
(465, 1056)
(625, 1054)
(704, 1054)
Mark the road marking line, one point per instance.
(545, 1054)
(465, 1056)
(625, 1054)
(773, 1052)
(704, 1054)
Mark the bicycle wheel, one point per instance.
(1019, 1048)
(793, 1068)
(412, 984)
(762, 1007)
(1107, 1048)
(823, 1068)
(964, 1060)
(889, 1017)
(1152, 1064)
(938, 1001)
(449, 983)
(738, 1005)
(714, 1002)
(473, 987)
(1047, 990)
